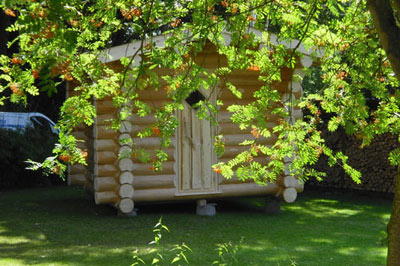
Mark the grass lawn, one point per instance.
(62, 226)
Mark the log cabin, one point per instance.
(188, 173)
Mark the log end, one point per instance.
(126, 205)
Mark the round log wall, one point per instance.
(372, 161)
(121, 183)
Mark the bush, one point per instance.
(16, 148)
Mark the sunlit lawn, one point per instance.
(62, 226)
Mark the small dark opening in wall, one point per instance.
(194, 98)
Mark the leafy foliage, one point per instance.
(67, 40)
(16, 149)
(156, 255)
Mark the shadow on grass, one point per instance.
(62, 226)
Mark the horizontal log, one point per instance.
(77, 179)
(233, 180)
(156, 104)
(106, 197)
(246, 93)
(87, 145)
(82, 127)
(235, 139)
(104, 132)
(154, 181)
(106, 145)
(102, 184)
(104, 119)
(261, 159)
(105, 106)
(225, 117)
(246, 82)
(142, 120)
(150, 142)
(139, 169)
(154, 195)
(169, 151)
(106, 170)
(151, 94)
(81, 135)
(232, 128)
(229, 102)
(247, 189)
(106, 157)
(232, 151)
(210, 60)
(228, 190)
(76, 169)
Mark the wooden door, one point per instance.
(196, 153)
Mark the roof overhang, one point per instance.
(128, 50)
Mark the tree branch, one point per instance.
(388, 32)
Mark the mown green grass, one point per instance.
(62, 226)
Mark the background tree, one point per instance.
(67, 39)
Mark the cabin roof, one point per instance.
(127, 50)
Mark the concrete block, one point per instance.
(206, 210)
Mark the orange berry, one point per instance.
(386, 64)
(176, 23)
(68, 76)
(217, 169)
(255, 132)
(15, 89)
(137, 12)
(84, 154)
(156, 131)
(35, 73)
(41, 14)
(254, 68)
(127, 15)
(225, 3)
(65, 158)
(16, 61)
(56, 170)
(234, 8)
(10, 12)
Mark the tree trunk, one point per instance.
(383, 17)
(393, 257)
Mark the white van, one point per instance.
(21, 121)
